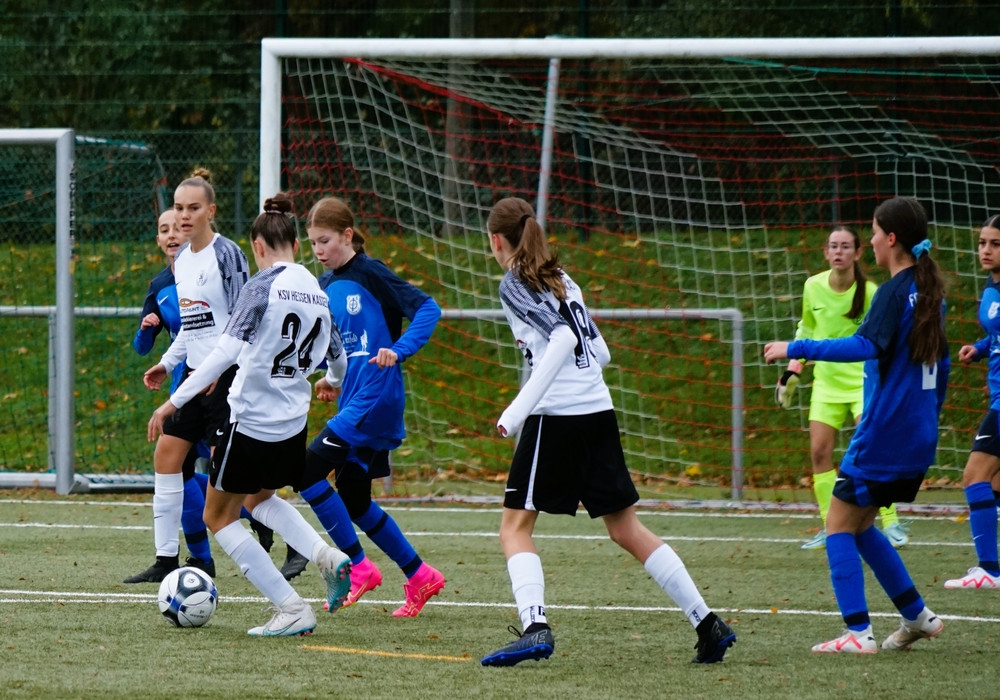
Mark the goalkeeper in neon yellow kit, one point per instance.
(833, 305)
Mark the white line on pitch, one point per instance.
(26, 596)
(537, 535)
(946, 512)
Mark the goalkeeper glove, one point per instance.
(787, 385)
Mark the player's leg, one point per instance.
(292, 615)
(527, 580)
(290, 454)
(534, 474)
(823, 422)
(982, 466)
(524, 566)
(326, 454)
(845, 520)
(607, 492)
(288, 522)
(244, 470)
(354, 484)
(264, 534)
(192, 516)
(354, 489)
(168, 506)
(918, 621)
(659, 559)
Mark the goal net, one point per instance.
(682, 175)
(77, 218)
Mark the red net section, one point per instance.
(681, 185)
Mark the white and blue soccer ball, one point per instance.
(188, 597)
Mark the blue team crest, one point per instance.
(994, 307)
(353, 304)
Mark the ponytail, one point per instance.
(927, 339)
(857, 309)
(906, 218)
(531, 259)
(276, 225)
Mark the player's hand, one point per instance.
(159, 416)
(968, 353)
(326, 391)
(149, 321)
(385, 357)
(778, 350)
(785, 389)
(154, 377)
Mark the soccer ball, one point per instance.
(187, 597)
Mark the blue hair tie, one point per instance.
(921, 248)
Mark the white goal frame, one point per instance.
(275, 51)
(61, 366)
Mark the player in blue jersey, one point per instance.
(368, 303)
(277, 334)
(569, 451)
(834, 303)
(209, 272)
(983, 464)
(159, 309)
(903, 345)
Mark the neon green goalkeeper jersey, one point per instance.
(823, 316)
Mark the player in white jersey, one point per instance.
(278, 333)
(209, 271)
(569, 451)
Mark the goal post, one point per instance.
(61, 404)
(676, 174)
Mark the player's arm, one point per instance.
(222, 357)
(175, 354)
(562, 342)
(976, 351)
(150, 325)
(853, 348)
(601, 352)
(328, 387)
(416, 335)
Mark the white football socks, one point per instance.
(168, 505)
(255, 564)
(668, 571)
(528, 584)
(282, 517)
